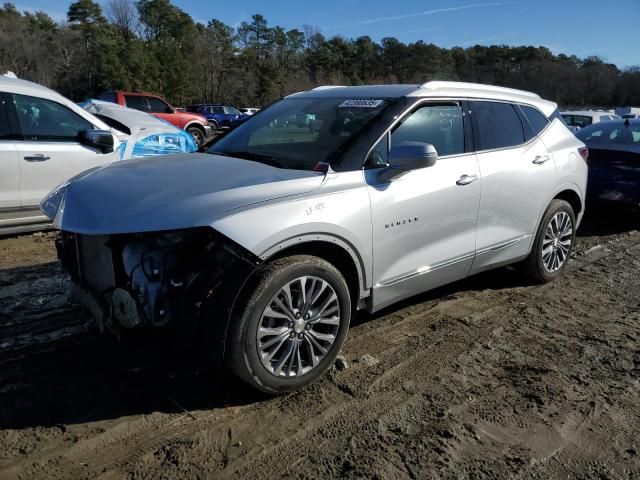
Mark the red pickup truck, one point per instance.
(157, 106)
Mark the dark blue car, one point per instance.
(614, 160)
(219, 116)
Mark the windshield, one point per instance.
(300, 133)
(608, 133)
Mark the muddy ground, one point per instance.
(486, 378)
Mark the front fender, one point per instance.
(342, 218)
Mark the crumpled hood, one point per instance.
(168, 192)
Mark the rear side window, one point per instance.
(439, 125)
(497, 125)
(135, 101)
(537, 121)
(46, 120)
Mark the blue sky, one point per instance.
(582, 27)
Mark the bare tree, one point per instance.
(124, 15)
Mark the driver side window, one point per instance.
(440, 125)
(157, 106)
(46, 120)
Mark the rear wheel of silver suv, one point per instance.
(288, 328)
(553, 243)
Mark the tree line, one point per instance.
(152, 45)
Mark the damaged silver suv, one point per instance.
(328, 201)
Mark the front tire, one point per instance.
(289, 326)
(198, 135)
(553, 243)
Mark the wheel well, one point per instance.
(195, 125)
(335, 255)
(572, 199)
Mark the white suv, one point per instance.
(45, 139)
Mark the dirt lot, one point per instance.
(487, 378)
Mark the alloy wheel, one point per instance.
(556, 244)
(298, 327)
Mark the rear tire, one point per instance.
(553, 244)
(281, 339)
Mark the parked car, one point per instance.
(142, 135)
(584, 118)
(193, 123)
(614, 160)
(249, 110)
(265, 253)
(219, 116)
(622, 111)
(44, 140)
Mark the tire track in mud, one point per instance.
(474, 380)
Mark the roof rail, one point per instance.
(327, 87)
(435, 84)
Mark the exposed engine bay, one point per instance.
(152, 279)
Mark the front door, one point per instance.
(9, 166)
(424, 222)
(163, 110)
(49, 153)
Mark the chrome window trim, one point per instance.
(475, 151)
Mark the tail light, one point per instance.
(584, 153)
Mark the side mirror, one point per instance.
(169, 110)
(100, 139)
(407, 157)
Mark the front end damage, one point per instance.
(160, 280)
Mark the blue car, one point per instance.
(219, 116)
(614, 160)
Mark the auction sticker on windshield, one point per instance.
(360, 103)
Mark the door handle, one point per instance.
(466, 179)
(540, 159)
(36, 158)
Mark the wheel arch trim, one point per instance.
(560, 189)
(308, 238)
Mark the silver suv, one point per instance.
(261, 249)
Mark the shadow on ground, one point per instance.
(609, 219)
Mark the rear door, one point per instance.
(517, 181)
(48, 151)
(9, 165)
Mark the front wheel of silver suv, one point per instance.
(290, 324)
(553, 243)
